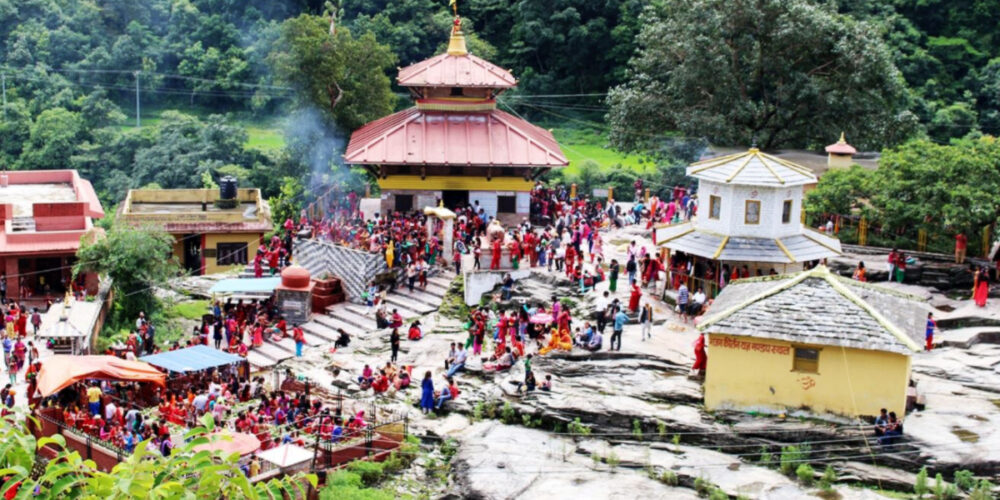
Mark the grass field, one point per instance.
(581, 145)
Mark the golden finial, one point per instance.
(456, 45)
(842, 139)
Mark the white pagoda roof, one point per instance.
(752, 168)
(804, 247)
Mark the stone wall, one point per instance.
(354, 268)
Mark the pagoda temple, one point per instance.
(749, 218)
(454, 146)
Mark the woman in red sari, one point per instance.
(981, 286)
(700, 358)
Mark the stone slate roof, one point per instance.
(803, 247)
(818, 307)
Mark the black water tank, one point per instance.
(227, 188)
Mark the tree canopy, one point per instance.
(788, 73)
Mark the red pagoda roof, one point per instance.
(841, 147)
(424, 137)
(447, 70)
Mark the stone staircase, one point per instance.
(321, 330)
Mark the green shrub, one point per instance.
(983, 491)
(920, 485)
(668, 478)
(344, 477)
(478, 411)
(676, 439)
(449, 448)
(765, 456)
(577, 428)
(939, 486)
(637, 429)
(612, 459)
(964, 479)
(661, 428)
(370, 472)
(526, 420)
(507, 413)
(702, 486)
(791, 457)
(829, 477)
(716, 493)
(805, 474)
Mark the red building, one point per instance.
(45, 213)
(455, 145)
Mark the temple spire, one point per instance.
(456, 45)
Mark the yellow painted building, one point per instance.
(813, 341)
(211, 234)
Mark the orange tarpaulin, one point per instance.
(62, 370)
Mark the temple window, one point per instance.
(806, 360)
(786, 212)
(752, 214)
(714, 207)
(404, 202)
(506, 204)
(456, 92)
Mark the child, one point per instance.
(547, 385)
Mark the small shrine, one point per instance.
(840, 154)
(454, 145)
(749, 219)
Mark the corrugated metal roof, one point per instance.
(752, 168)
(448, 70)
(420, 137)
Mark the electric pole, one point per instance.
(137, 122)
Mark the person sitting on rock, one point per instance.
(547, 384)
(343, 338)
(402, 381)
(502, 364)
(415, 333)
(397, 319)
(366, 378)
(595, 343)
(450, 392)
(893, 430)
(381, 383)
(582, 339)
(560, 340)
(881, 422)
(458, 363)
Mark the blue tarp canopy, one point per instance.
(191, 359)
(248, 285)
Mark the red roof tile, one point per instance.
(448, 70)
(419, 137)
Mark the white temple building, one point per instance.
(749, 214)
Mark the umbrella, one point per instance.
(241, 443)
(541, 319)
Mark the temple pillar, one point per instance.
(448, 236)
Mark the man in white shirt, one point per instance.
(697, 302)
(109, 411)
(600, 305)
(200, 402)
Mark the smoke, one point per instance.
(318, 144)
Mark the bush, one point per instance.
(370, 472)
(668, 478)
(702, 486)
(577, 428)
(717, 494)
(791, 457)
(661, 428)
(612, 459)
(507, 413)
(765, 457)
(964, 480)
(920, 485)
(449, 448)
(805, 474)
(983, 491)
(829, 477)
(637, 429)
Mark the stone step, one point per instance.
(441, 280)
(421, 300)
(286, 344)
(346, 316)
(334, 323)
(411, 303)
(272, 351)
(320, 331)
(259, 361)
